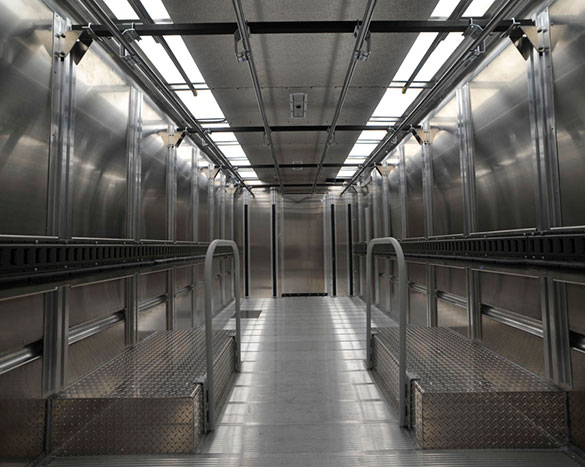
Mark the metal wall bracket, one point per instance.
(424, 136)
(77, 43)
(524, 38)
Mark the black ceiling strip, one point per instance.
(301, 27)
(292, 128)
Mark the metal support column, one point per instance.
(543, 124)
(273, 243)
(431, 295)
(134, 165)
(555, 324)
(361, 207)
(473, 303)
(171, 299)
(403, 194)
(171, 188)
(246, 239)
(467, 164)
(349, 203)
(427, 153)
(55, 341)
(61, 143)
(131, 318)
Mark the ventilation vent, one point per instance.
(298, 105)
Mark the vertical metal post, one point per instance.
(273, 243)
(555, 322)
(131, 319)
(427, 181)
(59, 204)
(466, 153)
(473, 303)
(209, 321)
(402, 292)
(246, 239)
(171, 299)
(348, 198)
(55, 341)
(431, 295)
(211, 203)
(543, 126)
(221, 234)
(134, 165)
(427, 153)
(171, 187)
(403, 193)
(195, 194)
(361, 238)
(326, 246)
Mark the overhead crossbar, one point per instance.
(300, 27)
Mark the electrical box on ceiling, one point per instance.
(298, 105)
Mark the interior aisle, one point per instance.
(303, 398)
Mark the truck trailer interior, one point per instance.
(292, 233)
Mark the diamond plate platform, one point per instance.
(464, 396)
(147, 400)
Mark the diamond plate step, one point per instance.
(464, 396)
(147, 400)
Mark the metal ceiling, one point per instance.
(310, 63)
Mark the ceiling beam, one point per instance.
(300, 27)
(294, 166)
(290, 128)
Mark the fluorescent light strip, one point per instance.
(394, 103)
(121, 9)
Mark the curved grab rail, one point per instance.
(402, 289)
(209, 320)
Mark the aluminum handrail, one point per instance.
(402, 289)
(209, 320)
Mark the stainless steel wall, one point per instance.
(153, 191)
(101, 110)
(260, 257)
(85, 153)
(501, 147)
(568, 65)
(25, 107)
(447, 190)
(414, 188)
(302, 239)
(504, 165)
(21, 406)
(184, 206)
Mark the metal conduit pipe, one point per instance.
(209, 320)
(402, 291)
(248, 56)
(442, 85)
(357, 54)
(455, 15)
(159, 85)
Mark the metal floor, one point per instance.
(304, 399)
